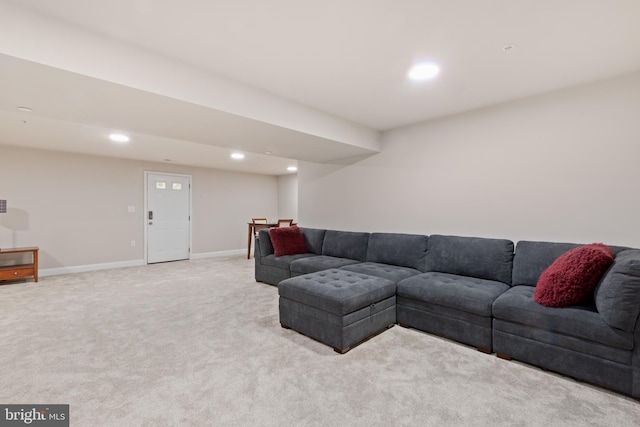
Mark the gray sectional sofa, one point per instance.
(479, 292)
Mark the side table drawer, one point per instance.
(22, 270)
(16, 272)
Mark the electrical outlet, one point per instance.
(133, 243)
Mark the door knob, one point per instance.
(150, 222)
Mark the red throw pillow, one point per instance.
(287, 240)
(573, 276)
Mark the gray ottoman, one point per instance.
(337, 307)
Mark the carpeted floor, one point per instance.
(198, 343)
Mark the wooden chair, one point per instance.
(285, 222)
(259, 224)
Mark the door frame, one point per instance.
(144, 215)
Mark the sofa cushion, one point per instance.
(532, 258)
(386, 271)
(581, 321)
(404, 250)
(287, 241)
(572, 277)
(283, 261)
(313, 239)
(464, 293)
(345, 244)
(617, 296)
(318, 263)
(489, 259)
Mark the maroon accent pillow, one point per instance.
(573, 276)
(287, 240)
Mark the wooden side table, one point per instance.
(20, 271)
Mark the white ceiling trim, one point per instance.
(298, 132)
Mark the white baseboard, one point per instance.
(91, 267)
(120, 264)
(219, 253)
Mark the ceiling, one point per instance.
(346, 60)
(77, 113)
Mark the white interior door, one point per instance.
(168, 216)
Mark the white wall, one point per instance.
(74, 207)
(288, 196)
(563, 166)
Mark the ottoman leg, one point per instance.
(343, 351)
(284, 326)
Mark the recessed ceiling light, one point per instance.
(292, 168)
(237, 156)
(25, 109)
(424, 71)
(509, 48)
(118, 137)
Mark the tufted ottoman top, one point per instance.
(337, 291)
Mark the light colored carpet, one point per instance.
(198, 343)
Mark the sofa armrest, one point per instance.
(264, 242)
